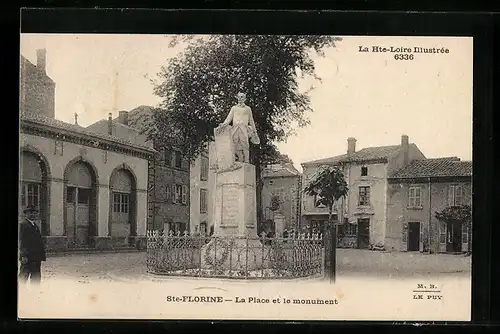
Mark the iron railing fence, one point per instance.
(176, 254)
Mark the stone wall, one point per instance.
(287, 188)
(164, 210)
(376, 210)
(399, 213)
(37, 91)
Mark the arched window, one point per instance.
(31, 184)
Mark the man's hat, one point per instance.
(30, 209)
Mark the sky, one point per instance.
(366, 95)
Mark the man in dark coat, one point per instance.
(31, 247)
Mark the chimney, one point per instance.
(110, 124)
(41, 59)
(123, 117)
(351, 145)
(405, 146)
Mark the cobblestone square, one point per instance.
(350, 263)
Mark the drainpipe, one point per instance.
(430, 217)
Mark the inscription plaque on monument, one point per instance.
(230, 204)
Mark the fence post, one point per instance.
(330, 244)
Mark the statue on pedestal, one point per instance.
(242, 128)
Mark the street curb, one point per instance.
(241, 280)
(152, 278)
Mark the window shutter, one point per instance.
(201, 200)
(458, 195)
(465, 237)
(411, 197)
(442, 237)
(404, 238)
(168, 192)
(184, 194)
(174, 193)
(451, 193)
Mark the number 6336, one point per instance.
(403, 56)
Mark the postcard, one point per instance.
(245, 177)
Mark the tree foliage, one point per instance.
(215, 68)
(461, 213)
(328, 186)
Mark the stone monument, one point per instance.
(234, 200)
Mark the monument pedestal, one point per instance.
(235, 202)
(235, 244)
(235, 254)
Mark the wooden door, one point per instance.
(454, 237)
(70, 214)
(363, 233)
(413, 237)
(120, 215)
(82, 216)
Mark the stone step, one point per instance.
(89, 250)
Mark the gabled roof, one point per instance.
(325, 161)
(438, 167)
(63, 126)
(374, 153)
(115, 123)
(280, 170)
(365, 154)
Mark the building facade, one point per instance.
(169, 173)
(281, 196)
(90, 188)
(202, 178)
(416, 193)
(361, 215)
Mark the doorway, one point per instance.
(363, 233)
(454, 237)
(79, 204)
(78, 215)
(413, 237)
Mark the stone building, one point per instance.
(419, 190)
(90, 188)
(281, 193)
(36, 87)
(362, 214)
(169, 172)
(202, 183)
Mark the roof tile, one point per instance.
(439, 167)
(54, 123)
(365, 154)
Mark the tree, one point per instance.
(214, 69)
(461, 213)
(328, 186)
